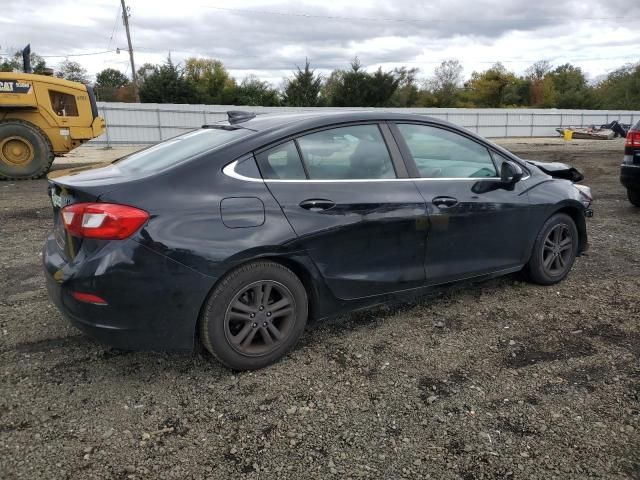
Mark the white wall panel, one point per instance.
(143, 123)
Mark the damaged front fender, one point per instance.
(558, 170)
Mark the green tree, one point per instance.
(357, 88)
(445, 84)
(14, 63)
(573, 90)
(165, 84)
(303, 90)
(253, 91)
(621, 89)
(212, 82)
(108, 84)
(381, 87)
(72, 71)
(349, 88)
(494, 88)
(407, 93)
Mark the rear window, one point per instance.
(178, 149)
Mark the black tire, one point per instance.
(235, 329)
(550, 262)
(634, 197)
(25, 151)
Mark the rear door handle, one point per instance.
(445, 202)
(317, 204)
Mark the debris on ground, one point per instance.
(494, 380)
(608, 131)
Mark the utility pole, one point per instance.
(134, 75)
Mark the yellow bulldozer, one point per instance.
(42, 117)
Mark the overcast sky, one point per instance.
(269, 38)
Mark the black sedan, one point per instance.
(630, 168)
(239, 233)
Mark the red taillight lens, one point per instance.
(105, 221)
(88, 298)
(633, 138)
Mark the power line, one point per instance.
(400, 20)
(78, 54)
(115, 26)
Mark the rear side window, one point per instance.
(354, 152)
(440, 153)
(178, 149)
(63, 104)
(281, 163)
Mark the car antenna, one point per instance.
(237, 116)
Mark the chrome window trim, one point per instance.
(229, 171)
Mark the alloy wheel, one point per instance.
(259, 318)
(557, 250)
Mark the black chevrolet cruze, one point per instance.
(239, 233)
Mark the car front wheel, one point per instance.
(634, 197)
(254, 315)
(554, 250)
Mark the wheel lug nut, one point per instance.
(252, 315)
(264, 324)
(254, 325)
(268, 314)
(261, 308)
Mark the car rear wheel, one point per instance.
(634, 197)
(554, 250)
(254, 315)
(25, 152)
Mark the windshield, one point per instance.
(178, 149)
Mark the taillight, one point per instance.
(633, 139)
(105, 221)
(88, 298)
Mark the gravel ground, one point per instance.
(494, 380)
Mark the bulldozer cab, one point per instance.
(41, 117)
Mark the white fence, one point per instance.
(148, 123)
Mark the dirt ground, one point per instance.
(497, 380)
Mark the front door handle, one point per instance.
(317, 204)
(445, 202)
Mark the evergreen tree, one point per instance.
(165, 84)
(303, 90)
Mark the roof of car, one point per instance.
(270, 121)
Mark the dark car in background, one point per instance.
(237, 234)
(630, 168)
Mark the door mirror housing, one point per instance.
(510, 173)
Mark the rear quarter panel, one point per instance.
(186, 222)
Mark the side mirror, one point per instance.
(510, 173)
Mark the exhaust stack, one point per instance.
(26, 59)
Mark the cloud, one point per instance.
(269, 38)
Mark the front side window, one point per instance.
(281, 163)
(354, 152)
(63, 104)
(440, 153)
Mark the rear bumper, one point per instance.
(630, 176)
(152, 302)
